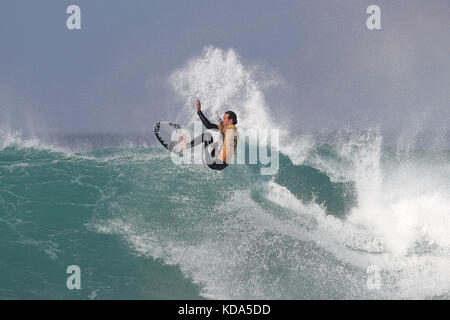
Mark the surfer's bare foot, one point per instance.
(182, 140)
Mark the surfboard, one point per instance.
(168, 134)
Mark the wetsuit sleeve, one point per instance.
(206, 122)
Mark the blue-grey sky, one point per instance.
(112, 75)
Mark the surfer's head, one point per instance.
(229, 118)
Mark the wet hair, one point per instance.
(232, 116)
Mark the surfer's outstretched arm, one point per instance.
(205, 121)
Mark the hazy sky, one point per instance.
(112, 75)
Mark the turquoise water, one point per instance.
(48, 201)
(141, 227)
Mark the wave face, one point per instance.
(348, 215)
(135, 222)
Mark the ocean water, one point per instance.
(350, 214)
(141, 227)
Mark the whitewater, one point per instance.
(350, 214)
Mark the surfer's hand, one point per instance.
(198, 106)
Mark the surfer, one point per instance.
(229, 134)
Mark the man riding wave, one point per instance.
(229, 135)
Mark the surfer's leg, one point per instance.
(205, 138)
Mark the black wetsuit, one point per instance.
(207, 139)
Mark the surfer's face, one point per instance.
(226, 121)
